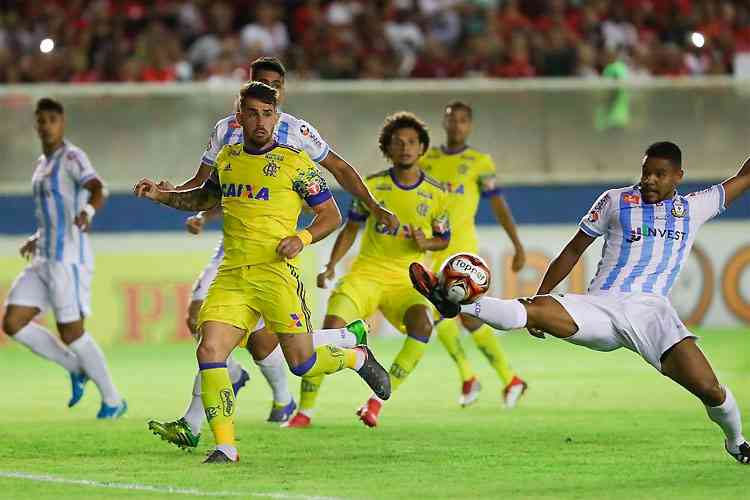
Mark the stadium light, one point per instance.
(698, 39)
(47, 45)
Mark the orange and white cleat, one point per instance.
(298, 421)
(513, 392)
(469, 392)
(368, 413)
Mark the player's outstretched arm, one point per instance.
(327, 219)
(504, 216)
(350, 180)
(205, 197)
(194, 224)
(561, 266)
(197, 180)
(735, 186)
(344, 241)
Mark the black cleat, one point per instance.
(743, 453)
(426, 283)
(374, 374)
(218, 457)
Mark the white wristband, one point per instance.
(90, 211)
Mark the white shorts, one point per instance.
(644, 323)
(200, 288)
(63, 287)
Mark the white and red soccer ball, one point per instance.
(464, 278)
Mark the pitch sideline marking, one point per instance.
(153, 489)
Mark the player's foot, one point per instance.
(369, 412)
(469, 392)
(178, 433)
(219, 457)
(426, 283)
(359, 328)
(112, 412)
(513, 392)
(282, 413)
(374, 374)
(298, 421)
(244, 377)
(77, 383)
(741, 454)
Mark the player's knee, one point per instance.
(710, 392)
(208, 352)
(12, 324)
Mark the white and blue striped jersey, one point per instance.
(289, 131)
(59, 196)
(646, 245)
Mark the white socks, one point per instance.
(498, 313)
(339, 337)
(194, 413)
(274, 369)
(93, 363)
(44, 344)
(234, 368)
(727, 416)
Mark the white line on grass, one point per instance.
(155, 489)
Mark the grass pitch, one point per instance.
(592, 425)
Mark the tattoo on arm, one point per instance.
(205, 197)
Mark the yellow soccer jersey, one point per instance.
(422, 205)
(466, 175)
(262, 196)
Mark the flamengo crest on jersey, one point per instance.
(289, 131)
(646, 245)
(59, 196)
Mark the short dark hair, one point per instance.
(267, 64)
(49, 104)
(454, 105)
(260, 91)
(666, 150)
(397, 121)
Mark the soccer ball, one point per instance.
(464, 278)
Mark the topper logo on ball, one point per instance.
(476, 274)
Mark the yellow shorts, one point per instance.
(240, 296)
(359, 296)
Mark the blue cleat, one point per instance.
(281, 414)
(77, 383)
(241, 382)
(112, 412)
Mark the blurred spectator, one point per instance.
(266, 35)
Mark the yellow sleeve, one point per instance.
(488, 178)
(441, 225)
(309, 183)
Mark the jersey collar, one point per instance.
(460, 150)
(253, 151)
(405, 187)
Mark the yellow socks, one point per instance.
(309, 389)
(218, 400)
(449, 336)
(406, 360)
(488, 343)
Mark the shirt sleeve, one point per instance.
(309, 184)
(216, 141)
(79, 167)
(358, 211)
(488, 179)
(441, 226)
(707, 204)
(311, 141)
(595, 222)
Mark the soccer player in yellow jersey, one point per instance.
(467, 175)
(261, 186)
(379, 278)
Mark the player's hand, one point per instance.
(146, 188)
(28, 249)
(535, 332)
(165, 185)
(290, 247)
(326, 274)
(82, 221)
(386, 217)
(419, 238)
(519, 260)
(194, 224)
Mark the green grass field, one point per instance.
(592, 425)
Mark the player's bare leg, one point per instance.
(686, 364)
(419, 326)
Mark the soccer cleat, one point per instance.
(218, 457)
(513, 392)
(743, 452)
(244, 377)
(426, 283)
(77, 383)
(298, 421)
(374, 374)
(107, 412)
(282, 413)
(369, 412)
(359, 328)
(469, 392)
(178, 433)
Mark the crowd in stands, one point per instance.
(82, 41)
